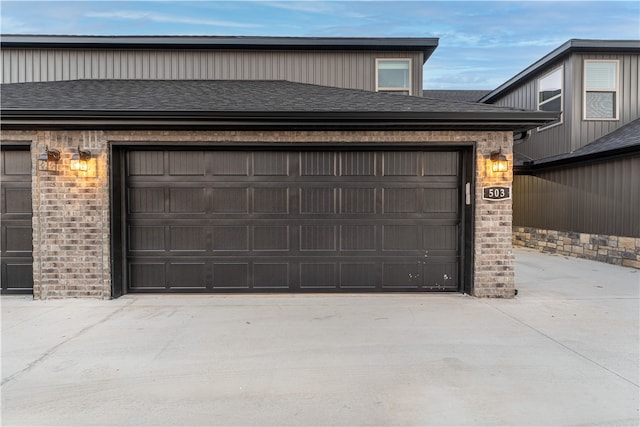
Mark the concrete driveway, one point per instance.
(564, 352)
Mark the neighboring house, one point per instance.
(577, 179)
(456, 95)
(246, 164)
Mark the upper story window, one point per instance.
(550, 94)
(393, 75)
(600, 90)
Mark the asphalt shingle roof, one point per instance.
(218, 95)
(626, 136)
(456, 95)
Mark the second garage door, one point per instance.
(226, 221)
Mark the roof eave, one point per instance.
(425, 45)
(567, 48)
(531, 167)
(518, 121)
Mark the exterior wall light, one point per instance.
(47, 160)
(499, 162)
(83, 163)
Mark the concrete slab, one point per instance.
(564, 352)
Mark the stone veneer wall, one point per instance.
(616, 250)
(71, 239)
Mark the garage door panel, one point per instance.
(358, 200)
(187, 275)
(230, 200)
(17, 275)
(440, 275)
(16, 262)
(319, 201)
(401, 200)
(234, 275)
(146, 200)
(147, 238)
(309, 221)
(441, 200)
(271, 275)
(271, 238)
(358, 237)
(318, 163)
(188, 238)
(358, 163)
(17, 201)
(230, 238)
(147, 275)
(401, 237)
(191, 163)
(318, 275)
(271, 163)
(362, 275)
(318, 238)
(401, 274)
(228, 163)
(441, 163)
(401, 163)
(440, 237)
(187, 200)
(271, 200)
(146, 163)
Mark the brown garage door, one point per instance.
(15, 219)
(293, 221)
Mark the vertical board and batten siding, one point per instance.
(586, 131)
(349, 69)
(575, 132)
(597, 198)
(554, 139)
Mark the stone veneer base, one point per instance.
(618, 250)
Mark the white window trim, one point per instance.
(395, 89)
(561, 121)
(584, 91)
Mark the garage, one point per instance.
(15, 219)
(283, 220)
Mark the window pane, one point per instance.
(600, 75)
(393, 74)
(550, 85)
(600, 105)
(554, 105)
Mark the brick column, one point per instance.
(71, 220)
(493, 253)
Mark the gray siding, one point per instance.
(355, 70)
(597, 198)
(575, 132)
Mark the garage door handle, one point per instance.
(467, 192)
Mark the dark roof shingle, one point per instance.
(456, 95)
(625, 137)
(216, 95)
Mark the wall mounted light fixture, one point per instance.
(499, 162)
(47, 160)
(83, 163)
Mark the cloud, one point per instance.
(156, 17)
(10, 25)
(318, 7)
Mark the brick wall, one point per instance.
(71, 213)
(494, 261)
(70, 221)
(616, 250)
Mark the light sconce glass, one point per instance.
(47, 160)
(83, 163)
(499, 162)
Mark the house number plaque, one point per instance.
(496, 193)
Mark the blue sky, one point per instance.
(482, 44)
